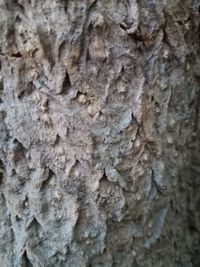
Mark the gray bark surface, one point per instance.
(99, 133)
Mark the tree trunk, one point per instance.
(100, 133)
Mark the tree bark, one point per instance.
(99, 141)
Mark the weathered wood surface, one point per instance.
(99, 141)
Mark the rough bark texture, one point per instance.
(99, 132)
